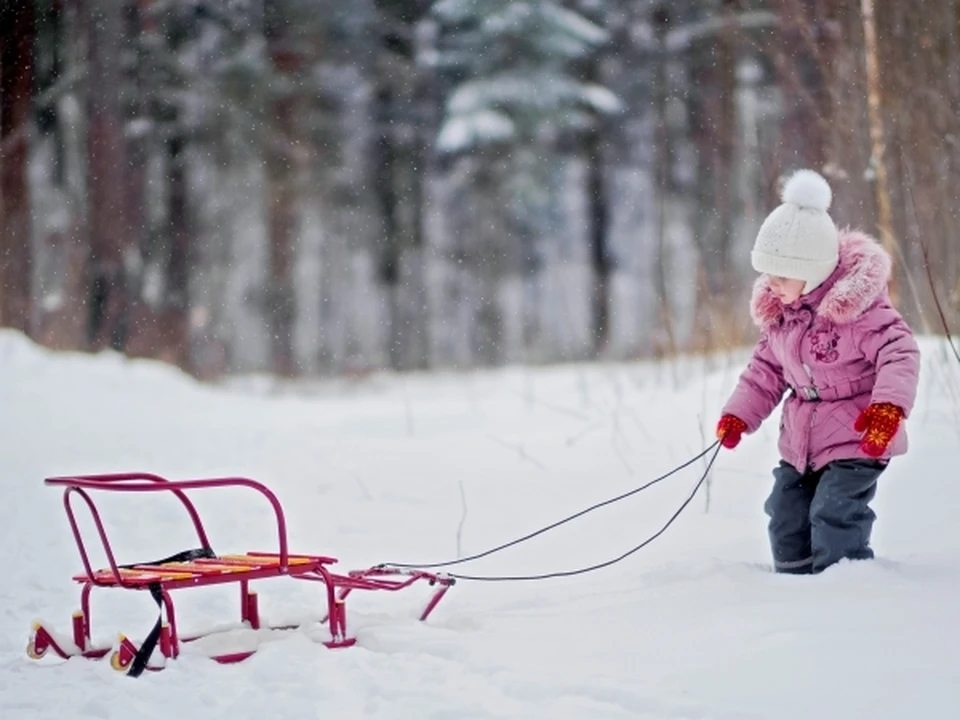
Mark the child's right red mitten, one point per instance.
(730, 429)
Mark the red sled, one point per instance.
(199, 567)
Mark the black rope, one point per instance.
(579, 571)
(142, 657)
(607, 563)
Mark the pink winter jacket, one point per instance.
(836, 349)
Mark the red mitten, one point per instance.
(730, 429)
(879, 423)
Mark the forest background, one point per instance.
(333, 187)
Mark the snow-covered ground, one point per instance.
(426, 468)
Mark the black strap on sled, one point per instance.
(139, 663)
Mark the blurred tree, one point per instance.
(403, 123)
(195, 110)
(712, 65)
(341, 128)
(802, 54)
(108, 291)
(60, 253)
(920, 154)
(514, 96)
(17, 31)
(57, 196)
(596, 145)
(141, 36)
(665, 187)
(285, 155)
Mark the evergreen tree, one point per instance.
(510, 64)
(516, 97)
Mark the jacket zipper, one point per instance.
(813, 414)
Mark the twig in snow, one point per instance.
(641, 426)
(409, 410)
(947, 384)
(925, 252)
(623, 460)
(555, 408)
(704, 373)
(584, 394)
(709, 481)
(463, 517)
(936, 301)
(589, 428)
(520, 452)
(617, 432)
(363, 487)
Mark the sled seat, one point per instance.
(253, 565)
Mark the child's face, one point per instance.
(788, 290)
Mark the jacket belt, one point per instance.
(808, 393)
(842, 391)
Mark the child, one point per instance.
(830, 336)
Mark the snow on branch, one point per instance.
(540, 90)
(681, 38)
(576, 25)
(481, 127)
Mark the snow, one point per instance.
(693, 626)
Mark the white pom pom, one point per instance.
(807, 189)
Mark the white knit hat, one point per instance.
(799, 240)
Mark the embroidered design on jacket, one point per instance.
(823, 343)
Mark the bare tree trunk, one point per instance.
(486, 253)
(281, 310)
(414, 257)
(803, 62)
(107, 288)
(877, 139)
(146, 334)
(175, 330)
(921, 161)
(599, 212)
(601, 260)
(388, 243)
(17, 30)
(665, 343)
(400, 166)
(58, 207)
(955, 265)
(282, 164)
(717, 261)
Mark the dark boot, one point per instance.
(840, 517)
(788, 507)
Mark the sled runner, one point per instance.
(200, 567)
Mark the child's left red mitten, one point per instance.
(878, 423)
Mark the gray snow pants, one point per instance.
(819, 518)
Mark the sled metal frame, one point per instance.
(213, 570)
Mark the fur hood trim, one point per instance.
(861, 276)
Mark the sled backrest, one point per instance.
(147, 482)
